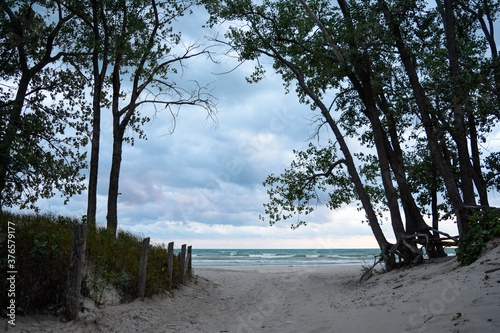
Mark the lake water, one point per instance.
(292, 257)
(281, 257)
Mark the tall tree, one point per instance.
(146, 51)
(447, 118)
(94, 32)
(272, 37)
(41, 102)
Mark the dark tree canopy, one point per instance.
(415, 82)
(42, 105)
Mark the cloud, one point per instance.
(202, 184)
(333, 234)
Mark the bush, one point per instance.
(43, 250)
(115, 261)
(483, 226)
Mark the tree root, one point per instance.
(370, 270)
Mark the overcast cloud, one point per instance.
(202, 185)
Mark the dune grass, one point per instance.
(42, 251)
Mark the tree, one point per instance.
(41, 102)
(100, 60)
(93, 32)
(484, 13)
(265, 33)
(317, 172)
(377, 58)
(146, 51)
(462, 76)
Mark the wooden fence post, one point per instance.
(74, 284)
(189, 264)
(170, 262)
(183, 262)
(143, 265)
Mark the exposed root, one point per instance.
(369, 272)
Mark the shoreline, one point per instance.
(433, 297)
(195, 267)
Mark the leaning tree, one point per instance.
(386, 63)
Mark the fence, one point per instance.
(77, 262)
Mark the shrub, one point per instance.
(483, 226)
(43, 250)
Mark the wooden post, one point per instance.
(143, 265)
(183, 262)
(74, 284)
(170, 262)
(189, 264)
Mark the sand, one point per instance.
(434, 297)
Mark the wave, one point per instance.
(253, 257)
(239, 257)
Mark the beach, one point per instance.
(433, 297)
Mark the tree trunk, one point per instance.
(481, 186)
(94, 156)
(116, 158)
(351, 167)
(488, 30)
(414, 220)
(114, 177)
(11, 130)
(459, 135)
(99, 76)
(388, 256)
(384, 245)
(358, 184)
(360, 79)
(432, 137)
(383, 157)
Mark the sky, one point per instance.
(202, 184)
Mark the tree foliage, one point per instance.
(42, 105)
(413, 82)
(314, 175)
(483, 227)
(63, 62)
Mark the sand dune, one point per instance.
(434, 297)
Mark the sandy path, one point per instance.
(280, 298)
(436, 297)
